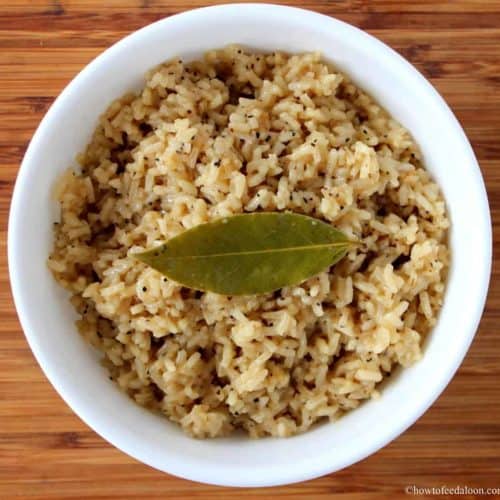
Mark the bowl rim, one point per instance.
(71, 398)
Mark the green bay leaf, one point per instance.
(249, 253)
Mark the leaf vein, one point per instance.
(263, 251)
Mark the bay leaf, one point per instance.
(249, 253)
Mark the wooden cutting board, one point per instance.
(47, 452)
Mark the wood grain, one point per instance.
(47, 452)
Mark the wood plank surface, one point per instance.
(47, 452)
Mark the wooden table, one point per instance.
(47, 452)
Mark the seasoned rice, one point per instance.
(245, 132)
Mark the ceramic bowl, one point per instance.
(73, 367)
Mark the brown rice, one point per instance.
(243, 132)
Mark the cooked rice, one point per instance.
(244, 132)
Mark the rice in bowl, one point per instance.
(245, 132)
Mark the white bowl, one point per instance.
(48, 319)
